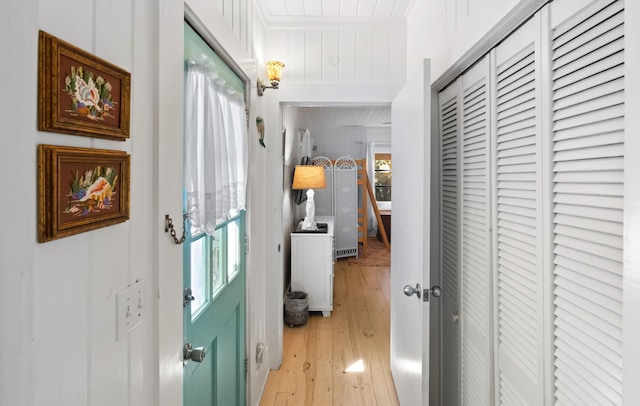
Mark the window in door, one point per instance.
(215, 262)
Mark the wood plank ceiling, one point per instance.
(318, 9)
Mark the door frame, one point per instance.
(433, 340)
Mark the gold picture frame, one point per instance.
(80, 189)
(79, 93)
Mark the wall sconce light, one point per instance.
(274, 71)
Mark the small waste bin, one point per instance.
(296, 308)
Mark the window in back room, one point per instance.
(383, 177)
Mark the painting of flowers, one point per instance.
(79, 93)
(80, 189)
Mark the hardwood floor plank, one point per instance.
(291, 366)
(317, 355)
(323, 390)
(342, 356)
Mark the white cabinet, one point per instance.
(312, 261)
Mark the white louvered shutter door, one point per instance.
(449, 229)
(475, 240)
(588, 136)
(519, 313)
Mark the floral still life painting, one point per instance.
(79, 93)
(80, 189)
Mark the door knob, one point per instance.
(194, 354)
(454, 317)
(410, 290)
(435, 291)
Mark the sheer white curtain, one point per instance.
(215, 148)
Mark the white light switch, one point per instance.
(131, 308)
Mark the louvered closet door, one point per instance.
(475, 239)
(588, 135)
(519, 306)
(449, 232)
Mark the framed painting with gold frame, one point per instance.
(79, 93)
(80, 189)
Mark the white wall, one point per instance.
(58, 341)
(57, 300)
(444, 30)
(339, 53)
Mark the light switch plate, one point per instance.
(131, 308)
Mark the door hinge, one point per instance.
(246, 244)
(246, 368)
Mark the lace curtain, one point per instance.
(215, 148)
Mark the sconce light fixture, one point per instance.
(274, 71)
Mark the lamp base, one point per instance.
(309, 222)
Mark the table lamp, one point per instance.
(309, 177)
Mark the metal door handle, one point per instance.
(194, 354)
(435, 291)
(410, 290)
(454, 317)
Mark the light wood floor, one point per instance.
(318, 355)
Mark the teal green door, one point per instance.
(214, 271)
(215, 317)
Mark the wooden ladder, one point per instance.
(363, 181)
(374, 204)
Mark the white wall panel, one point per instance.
(111, 44)
(141, 383)
(313, 60)
(330, 56)
(364, 55)
(109, 359)
(280, 50)
(61, 311)
(397, 52)
(381, 62)
(347, 56)
(228, 22)
(296, 58)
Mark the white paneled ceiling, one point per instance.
(319, 9)
(315, 117)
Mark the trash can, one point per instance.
(296, 308)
